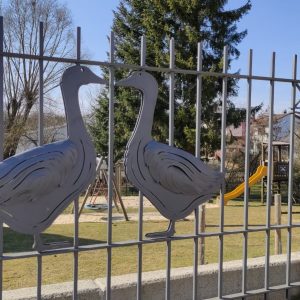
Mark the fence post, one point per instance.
(119, 177)
(202, 229)
(262, 191)
(277, 207)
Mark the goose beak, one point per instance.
(91, 77)
(97, 79)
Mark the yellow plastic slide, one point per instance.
(239, 190)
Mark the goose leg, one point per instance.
(38, 243)
(163, 234)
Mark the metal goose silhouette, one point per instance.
(175, 181)
(37, 185)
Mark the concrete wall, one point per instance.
(124, 287)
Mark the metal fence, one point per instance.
(197, 235)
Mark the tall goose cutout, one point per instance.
(175, 181)
(37, 185)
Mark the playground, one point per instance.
(93, 228)
(279, 173)
(96, 196)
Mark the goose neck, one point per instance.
(75, 123)
(145, 120)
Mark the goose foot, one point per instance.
(163, 234)
(40, 246)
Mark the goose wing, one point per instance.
(35, 173)
(180, 172)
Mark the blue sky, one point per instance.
(95, 19)
(272, 26)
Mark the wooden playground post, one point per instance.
(88, 191)
(117, 195)
(277, 207)
(118, 176)
(262, 191)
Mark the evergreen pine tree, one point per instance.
(188, 21)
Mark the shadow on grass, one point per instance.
(18, 242)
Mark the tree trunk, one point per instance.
(14, 130)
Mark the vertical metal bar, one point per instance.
(1, 89)
(224, 110)
(1, 144)
(196, 256)
(198, 143)
(75, 245)
(198, 101)
(76, 202)
(110, 164)
(41, 86)
(171, 93)
(171, 143)
(143, 51)
(168, 271)
(247, 165)
(197, 154)
(141, 204)
(270, 173)
(78, 44)
(222, 169)
(39, 277)
(140, 248)
(40, 136)
(291, 175)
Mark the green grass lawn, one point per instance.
(92, 264)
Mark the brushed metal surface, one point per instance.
(175, 181)
(37, 185)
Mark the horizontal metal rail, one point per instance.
(262, 291)
(102, 246)
(148, 68)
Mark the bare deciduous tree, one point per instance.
(54, 130)
(21, 35)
